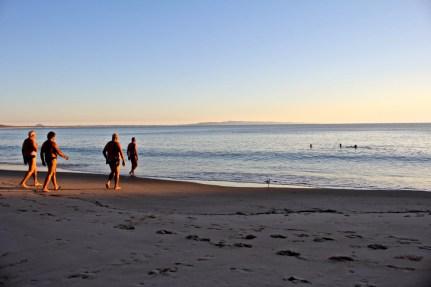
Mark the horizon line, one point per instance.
(215, 123)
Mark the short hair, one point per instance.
(50, 135)
(31, 132)
(133, 139)
(114, 136)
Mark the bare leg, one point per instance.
(48, 177)
(52, 167)
(111, 175)
(117, 178)
(134, 165)
(36, 182)
(31, 172)
(54, 180)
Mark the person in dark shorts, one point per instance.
(132, 155)
(113, 153)
(49, 153)
(29, 153)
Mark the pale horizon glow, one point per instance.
(184, 62)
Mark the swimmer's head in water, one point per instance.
(51, 135)
(31, 134)
(115, 137)
(133, 139)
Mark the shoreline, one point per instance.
(226, 184)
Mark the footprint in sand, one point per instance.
(183, 264)
(409, 257)
(83, 275)
(401, 268)
(164, 231)
(80, 276)
(242, 245)
(243, 270)
(249, 237)
(425, 248)
(404, 240)
(22, 261)
(197, 238)
(323, 239)
(278, 236)
(258, 229)
(364, 285)
(352, 236)
(296, 280)
(341, 258)
(163, 271)
(289, 253)
(220, 244)
(295, 229)
(205, 258)
(377, 247)
(125, 226)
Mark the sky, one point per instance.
(176, 62)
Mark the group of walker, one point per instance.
(50, 152)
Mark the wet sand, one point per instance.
(162, 233)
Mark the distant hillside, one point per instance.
(25, 126)
(232, 123)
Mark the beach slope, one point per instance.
(163, 233)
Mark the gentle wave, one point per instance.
(388, 157)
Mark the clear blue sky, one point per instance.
(146, 62)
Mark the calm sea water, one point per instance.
(390, 156)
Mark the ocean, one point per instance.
(389, 156)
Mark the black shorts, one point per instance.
(27, 158)
(113, 162)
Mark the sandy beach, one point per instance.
(162, 233)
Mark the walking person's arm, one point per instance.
(129, 152)
(136, 151)
(42, 154)
(23, 153)
(59, 152)
(105, 152)
(121, 154)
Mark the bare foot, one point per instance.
(118, 188)
(108, 185)
(37, 184)
(45, 190)
(57, 188)
(23, 185)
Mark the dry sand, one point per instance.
(160, 233)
